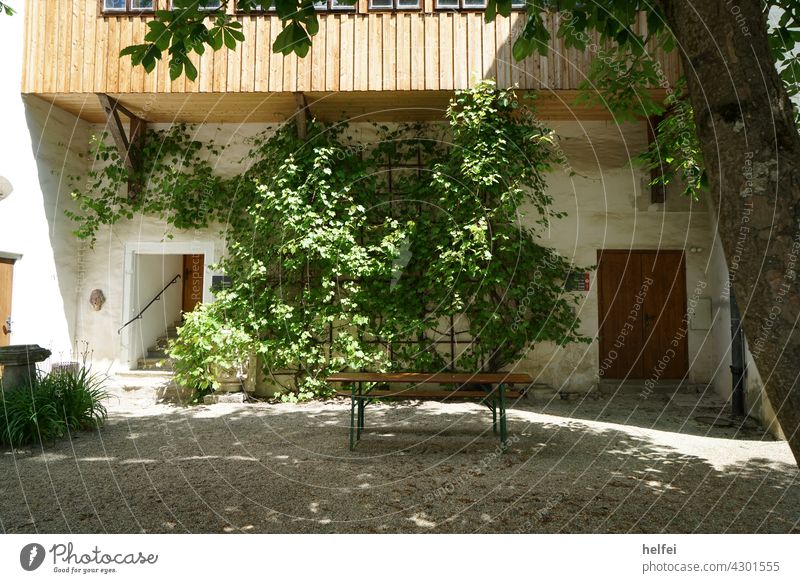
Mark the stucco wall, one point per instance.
(39, 146)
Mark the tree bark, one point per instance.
(751, 148)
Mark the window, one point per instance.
(332, 5)
(259, 7)
(473, 4)
(209, 4)
(394, 4)
(128, 5)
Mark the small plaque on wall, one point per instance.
(577, 281)
(220, 282)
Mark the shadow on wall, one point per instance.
(52, 253)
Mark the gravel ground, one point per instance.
(604, 465)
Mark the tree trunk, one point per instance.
(751, 148)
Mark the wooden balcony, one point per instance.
(72, 53)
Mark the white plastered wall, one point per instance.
(39, 147)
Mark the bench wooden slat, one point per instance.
(424, 377)
(437, 395)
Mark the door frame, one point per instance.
(600, 300)
(205, 248)
(9, 259)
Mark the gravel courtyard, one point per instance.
(597, 465)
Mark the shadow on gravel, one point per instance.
(428, 468)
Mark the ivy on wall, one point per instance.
(352, 255)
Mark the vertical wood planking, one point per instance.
(76, 47)
(347, 47)
(233, 76)
(205, 75)
(64, 11)
(474, 50)
(362, 49)
(43, 74)
(275, 59)
(99, 52)
(446, 66)
(319, 57)
(403, 51)
(332, 47)
(431, 35)
(112, 61)
(262, 54)
(220, 59)
(503, 48)
(304, 71)
(124, 69)
(375, 52)
(460, 52)
(389, 52)
(290, 72)
(418, 51)
(489, 49)
(138, 73)
(71, 48)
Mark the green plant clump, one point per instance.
(56, 404)
(348, 255)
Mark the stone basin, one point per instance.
(19, 364)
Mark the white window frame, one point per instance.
(331, 6)
(128, 9)
(395, 7)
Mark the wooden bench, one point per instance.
(490, 389)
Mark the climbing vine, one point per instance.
(345, 254)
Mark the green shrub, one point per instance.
(57, 403)
(208, 340)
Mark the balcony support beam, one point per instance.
(128, 144)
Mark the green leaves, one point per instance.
(350, 255)
(293, 38)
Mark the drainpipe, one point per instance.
(738, 365)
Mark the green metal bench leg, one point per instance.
(494, 416)
(503, 426)
(361, 406)
(352, 417)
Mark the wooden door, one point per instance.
(6, 275)
(641, 305)
(193, 269)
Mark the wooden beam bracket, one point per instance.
(128, 145)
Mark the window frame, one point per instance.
(462, 8)
(395, 8)
(329, 7)
(268, 10)
(127, 11)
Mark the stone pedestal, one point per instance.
(19, 364)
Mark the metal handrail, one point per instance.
(150, 303)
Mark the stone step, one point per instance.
(155, 364)
(154, 352)
(643, 387)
